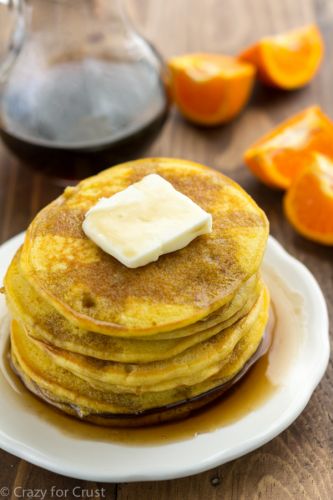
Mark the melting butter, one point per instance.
(144, 221)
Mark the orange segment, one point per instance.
(309, 202)
(210, 89)
(280, 155)
(289, 60)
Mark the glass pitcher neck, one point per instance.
(103, 11)
(72, 19)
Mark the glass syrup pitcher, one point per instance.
(86, 90)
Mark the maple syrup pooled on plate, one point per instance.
(235, 403)
(246, 396)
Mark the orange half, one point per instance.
(278, 157)
(210, 89)
(289, 60)
(308, 204)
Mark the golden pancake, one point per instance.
(97, 293)
(190, 367)
(154, 416)
(43, 322)
(65, 387)
(120, 346)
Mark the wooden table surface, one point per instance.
(299, 463)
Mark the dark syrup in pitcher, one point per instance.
(78, 117)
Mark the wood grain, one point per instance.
(299, 463)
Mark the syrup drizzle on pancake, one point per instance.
(258, 386)
(235, 404)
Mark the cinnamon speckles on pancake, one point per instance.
(53, 253)
(120, 346)
(177, 290)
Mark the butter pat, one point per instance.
(144, 221)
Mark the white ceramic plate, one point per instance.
(302, 314)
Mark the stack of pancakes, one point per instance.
(119, 346)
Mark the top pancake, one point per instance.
(96, 292)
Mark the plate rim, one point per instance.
(203, 464)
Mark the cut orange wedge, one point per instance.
(210, 89)
(309, 202)
(289, 60)
(278, 157)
